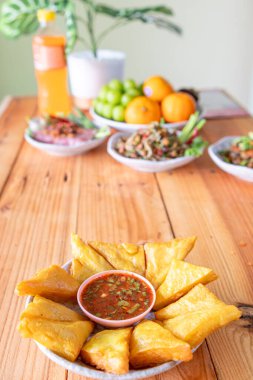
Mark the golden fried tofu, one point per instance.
(159, 256)
(46, 309)
(197, 299)
(53, 283)
(78, 271)
(181, 278)
(122, 256)
(151, 344)
(87, 261)
(64, 338)
(108, 350)
(194, 327)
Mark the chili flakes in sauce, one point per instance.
(117, 296)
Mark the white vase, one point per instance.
(88, 74)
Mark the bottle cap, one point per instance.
(45, 15)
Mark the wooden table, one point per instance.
(44, 198)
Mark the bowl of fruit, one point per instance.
(128, 106)
(157, 149)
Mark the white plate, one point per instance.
(124, 127)
(145, 165)
(84, 370)
(241, 172)
(64, 151)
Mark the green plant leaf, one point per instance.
(71, 27)
(20, 16)
(131, 12)
(9, 31)
(146, 15)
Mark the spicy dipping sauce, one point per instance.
(116, 296)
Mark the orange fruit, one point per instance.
(157, 88)
(178, 107)
(142, 110)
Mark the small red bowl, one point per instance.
(111, 322)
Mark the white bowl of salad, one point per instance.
(65, 136)
(157, 149)
(234, 155)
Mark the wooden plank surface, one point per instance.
(217, 207)
(45, 198)
(13, 113)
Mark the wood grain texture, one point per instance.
(13, 124)
(45, 198)
(37, 214)
(217, 207)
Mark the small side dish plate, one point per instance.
(244, 173)
(145, 165)
(82, 369)
(61, 150)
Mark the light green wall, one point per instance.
(214, 50)
(16, 67)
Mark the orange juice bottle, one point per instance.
(50, 66)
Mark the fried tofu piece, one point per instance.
(87, 261)
(196, 326)
(159, 256)
(78, 271)
(46, 309)
(64, 338)
(53, 283)
(151, 344)
(181, 278)
(122, 256)
(109, 350)
(198, 298)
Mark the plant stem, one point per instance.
(91, 32)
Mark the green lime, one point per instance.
(107, 110)
(113, 97)
(98, 106)
(115, 84)
(133, 92)
(103, 92)
(118, 113)
(129, 83)
(140, 88)
(125, 99)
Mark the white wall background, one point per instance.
(215, 50)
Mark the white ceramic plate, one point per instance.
(145, 165)
(84, 370)
(241, 172)
(60, 150)
(124, 127)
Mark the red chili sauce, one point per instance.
(117, 296)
